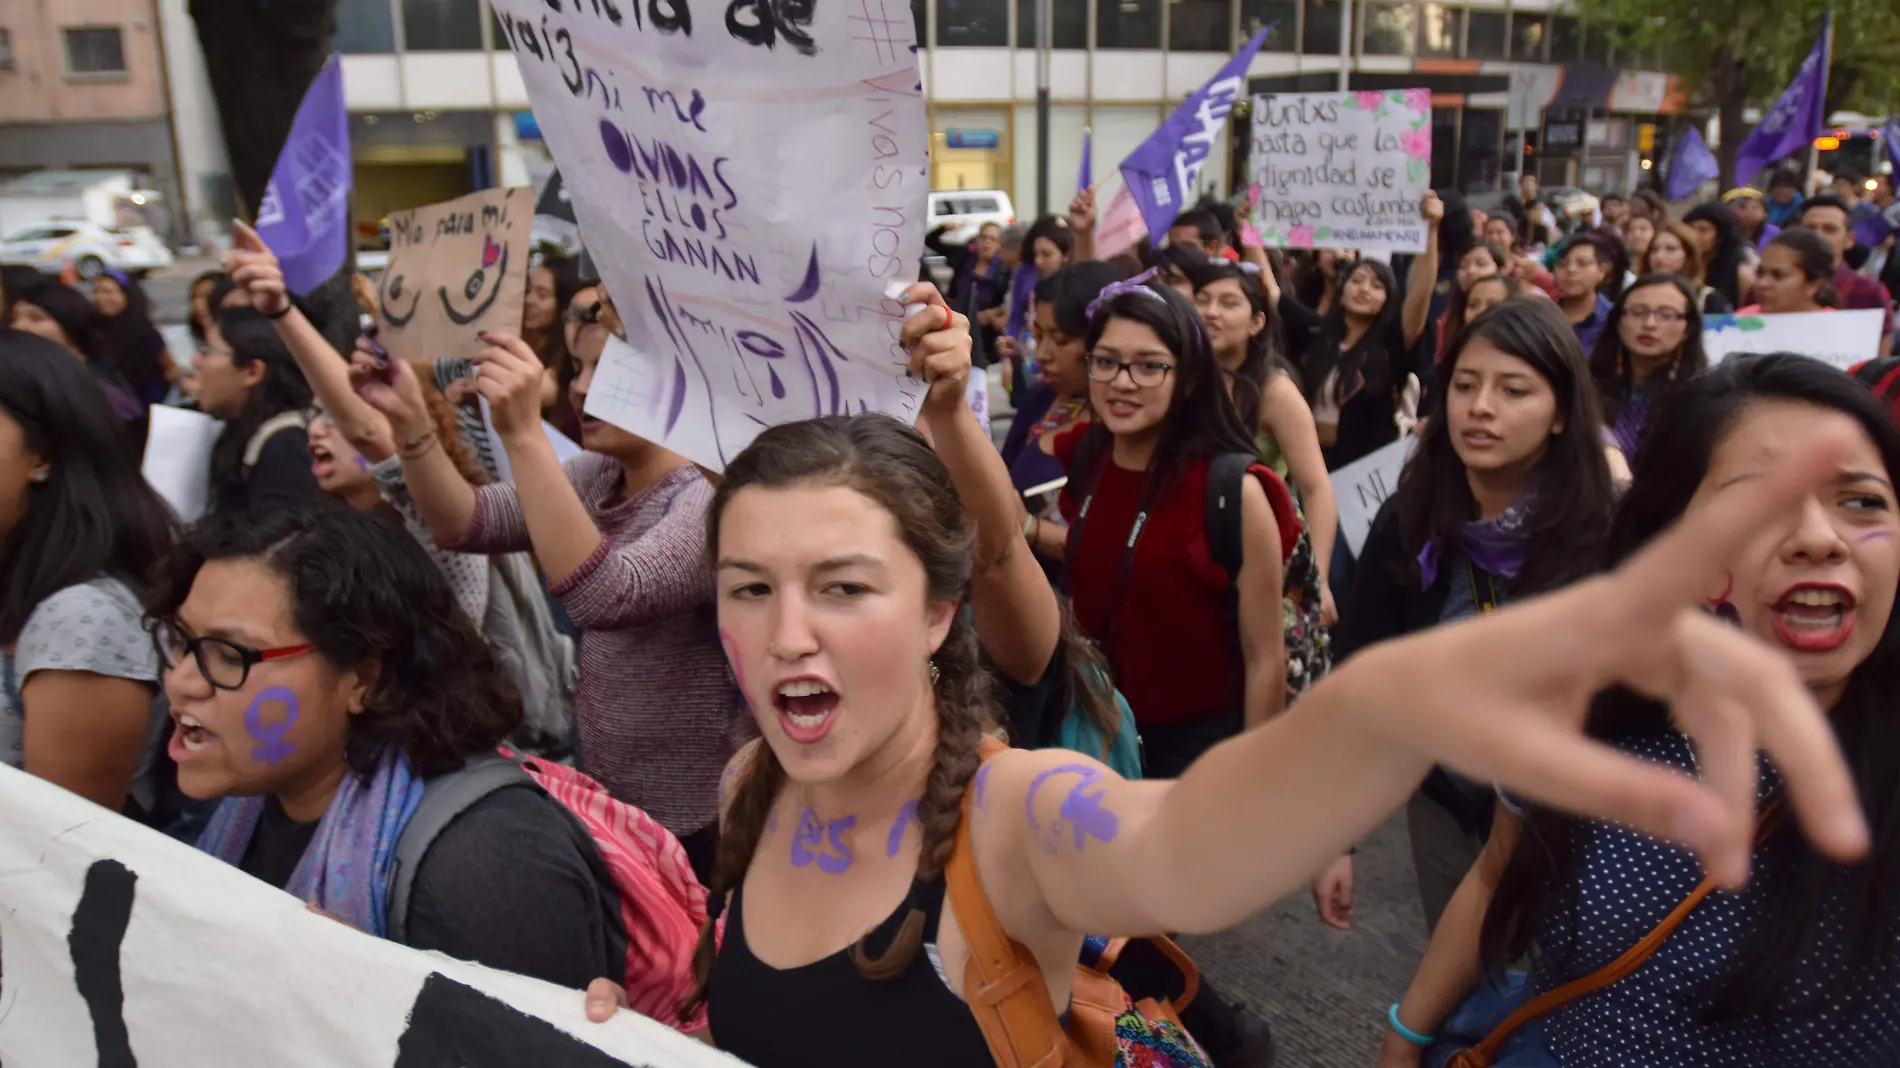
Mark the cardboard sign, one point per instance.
(1342, 170)
(455, 270)
(750, 179)
(1840, 338)
(1362, 486)
(122, 947)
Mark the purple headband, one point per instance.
(1137, 284)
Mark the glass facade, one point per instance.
(1441, 30)
(1389, 27)
(1127, 24)
(1488, 35)
(1282, 15)
(973, 23)
(442, 25)
(1319, 34)
(1201, 26)
(1069, 17)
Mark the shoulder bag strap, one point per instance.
(1002, 983)
(266, 430)
(1482, 1054)
(443, 799)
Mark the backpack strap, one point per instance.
(1484, 1053)
(444, 798)
(1002, 983)
(266, 430)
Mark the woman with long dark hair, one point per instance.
(128, 339)
(1509, 496)
(1801, 967)
(1724, 251)
(1797, 275)
(320, 676)
(552, 286)
(1650, 348)
(1140, 569)
(248, 378)
(1474, 300)
(82, 537)
(58, 313)
(1676, 250)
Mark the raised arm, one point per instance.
(443, 497)
(1423, 277)
(1066, 846)
(254, 268)
(1082, 224)
(1285, 415)
(1017, 619)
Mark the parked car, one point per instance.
(90, 248)
(964, 211)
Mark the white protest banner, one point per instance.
(1840, 338)
(1342, 170)
(123, 947)
(178, 445)
(749, 176)
(1362, 486)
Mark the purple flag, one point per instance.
(305, 217)
(1087, 177)
(1163, 173)
(1873, 228)
(1796, 118)
(1691, 165)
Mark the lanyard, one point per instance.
(1484, 589)
(1122, 570)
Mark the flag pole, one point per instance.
(1045, 28)
(1827, 64)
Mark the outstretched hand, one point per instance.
(1082, 211)
(1503, 698)
(253, 267)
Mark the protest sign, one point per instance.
(1342, 170)
(177, 462)
(750, 179)
(1840, 338)
(1362, 486)
(123, 947)
(455, 270)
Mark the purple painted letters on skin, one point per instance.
(1081, 809)
(812, 835)
(269, 736)
(982, 777)
(905, 817)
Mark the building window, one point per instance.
(1566, 39)
(1070, 18)
(1441, 29)
(1320, 35)
(1389, 28)
(1488, 33)
(442, 25)
(1527, 38)
(365, 26)
(95, 50)
(6, 49)
(1282, 15)
(1200, 26)
(973, 23)
(919, 16)
(1128, 24)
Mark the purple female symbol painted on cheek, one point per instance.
(271, 747)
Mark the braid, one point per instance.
(963, 698)
(745, 824)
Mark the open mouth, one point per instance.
(189, 736)
(322, 460)
(1123, 408)
(1815, 618)
(806, 709)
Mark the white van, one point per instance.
(965, 210)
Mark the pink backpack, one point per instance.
(662, 904)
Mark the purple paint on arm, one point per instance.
(982, 778)
(1081, 809)
(905, 817)
(271, 748)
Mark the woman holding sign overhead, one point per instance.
(620, 532)
(1508, 496)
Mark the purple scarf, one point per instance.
(347, 869)
(1495, 545)
(1022, 291)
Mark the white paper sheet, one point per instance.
(177, 463)
(1342, 170)
(1840, 338)
(219, 970)
(749, 178)
(1362, 486)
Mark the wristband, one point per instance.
(1404, 1032)
(1029, 525)
(281, 312)
(410, 450)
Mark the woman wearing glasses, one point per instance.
(1650, 347)
(319, 675)
(83, 533)
(1142, 574)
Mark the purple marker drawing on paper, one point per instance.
(905, 817)
(269, 736)
(1081, 809)
(813, 834)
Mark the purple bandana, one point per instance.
(1495, 545)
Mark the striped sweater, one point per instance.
(657, 715)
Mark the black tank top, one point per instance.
(825, 1014)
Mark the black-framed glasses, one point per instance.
(1664, 316)
(1140, 372)
(313, 415)
(224, 664)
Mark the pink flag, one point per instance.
(1120, 226)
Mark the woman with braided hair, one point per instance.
(842, 556)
